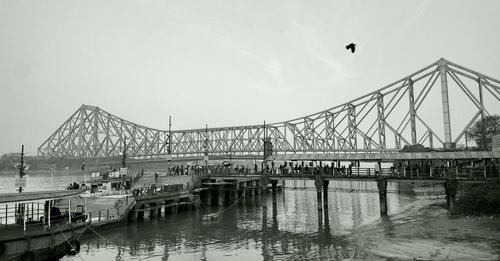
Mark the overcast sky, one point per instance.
(220, 63)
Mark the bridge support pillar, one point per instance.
(167, 209)
(175, 207)
(382, 195)
(234, 193)
(140, 213)
(243, 188)
(221, 196)
(253, 186)
(274, 184)
(132, 215)
(450, 187)
(152, 210)
(325, 194)
(319, 185)
(208, 197)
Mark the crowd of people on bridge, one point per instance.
(398, 168)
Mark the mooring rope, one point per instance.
(99, 235)
(65, 238)
(234, 203)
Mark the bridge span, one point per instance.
(434, 106)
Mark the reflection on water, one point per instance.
(291, 228)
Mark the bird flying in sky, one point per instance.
(351, 46)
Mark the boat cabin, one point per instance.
(43, 225)
(109, 183)
(45, 208)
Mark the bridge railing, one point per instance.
(416, 172)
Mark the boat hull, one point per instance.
(61, 240)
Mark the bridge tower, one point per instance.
(443, 69)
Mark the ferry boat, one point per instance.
(112, 182)
(44, 225)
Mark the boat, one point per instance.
(44, 225)
(112, 182)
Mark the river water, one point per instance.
(291, 229)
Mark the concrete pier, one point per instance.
(382, 195)
(319, 186)
(221, 197)
(243, 188)
(274, 186)
(450, 187)
(325, 194)
(208, 195)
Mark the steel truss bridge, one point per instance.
(421, 108)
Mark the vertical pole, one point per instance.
(6, 213)
(24, 216)
(484, 167)
(443, 68)
(21, 168)
(430, 169)
(50, 210)
(69, 211)
(169, 147)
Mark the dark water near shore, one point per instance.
(290, 229)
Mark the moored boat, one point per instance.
(44, 225)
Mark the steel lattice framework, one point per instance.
(413, 110)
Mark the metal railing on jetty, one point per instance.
(438, 172)
(34, 214)
(117, 213)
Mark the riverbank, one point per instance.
(426, 232)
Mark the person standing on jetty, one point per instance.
(156, 177)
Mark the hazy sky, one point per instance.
(220, 63)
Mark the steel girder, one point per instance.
(93, 132)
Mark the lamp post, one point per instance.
(169, 145)
(21, 168)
